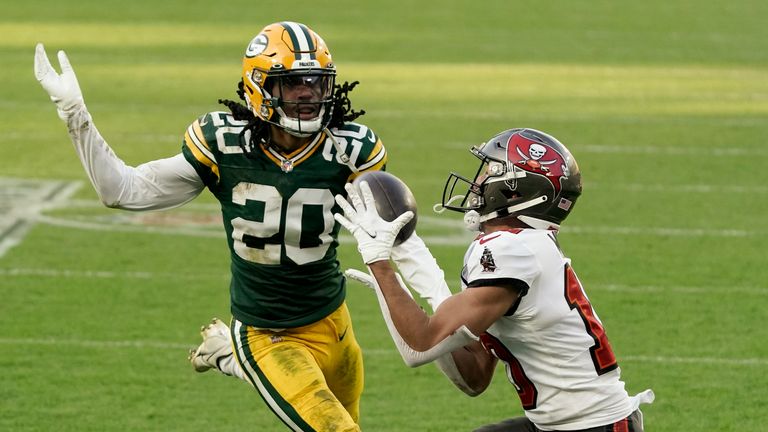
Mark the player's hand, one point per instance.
(374, 235)
(63, 89)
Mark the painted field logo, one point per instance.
(22, 201)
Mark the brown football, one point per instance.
(393, 198)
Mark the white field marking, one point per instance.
(118, 227)
(437, 221)
(663, 232)
(571, 117)
(97, 344)
(694, 188)
(755, 290)
(192, 206)
(457, 238)
(699, 360)
(376, 352)
(22, 201)
(101, 274)
(671, 150)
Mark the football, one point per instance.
(393, 198)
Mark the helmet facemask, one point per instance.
(490, 170)
(301, 102)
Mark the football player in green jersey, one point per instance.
(275, 165)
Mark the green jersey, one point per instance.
(278, 215)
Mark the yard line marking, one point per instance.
(97, 344)
(664, 232)
(698, 360)
(101, 274)
(194, 206)
(444, 240)
(677, 188)
(116, 227)
(677, 289)
(148, 344)
(670, 150)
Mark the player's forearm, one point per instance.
(420, 270)
(411, 322)
(155, 185)
(105, 170)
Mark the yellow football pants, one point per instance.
(311, 377)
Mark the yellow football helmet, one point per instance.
(289, 77)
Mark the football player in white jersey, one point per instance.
(521, 301)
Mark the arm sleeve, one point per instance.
(420, 270)
(155, 185)
(412, 358)
(417, 266)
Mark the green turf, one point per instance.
(663, 103)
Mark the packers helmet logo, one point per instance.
(257, 45)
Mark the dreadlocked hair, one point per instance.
(342, 106)
(256, 128)
(342, 112)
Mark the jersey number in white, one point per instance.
(269, 226)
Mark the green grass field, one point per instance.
(663, 103)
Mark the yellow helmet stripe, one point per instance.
(303, 45)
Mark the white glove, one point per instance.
(374, 235)
(63, 89)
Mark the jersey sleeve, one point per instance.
(501, 258)
(199, 149)
(363, 147)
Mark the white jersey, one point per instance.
(553, 344)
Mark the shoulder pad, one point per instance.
(207, 138)
(363, 147)
(501, 255)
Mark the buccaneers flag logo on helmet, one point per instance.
(531, 154)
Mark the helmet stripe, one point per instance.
(304, 47)
(310, 42)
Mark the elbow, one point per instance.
(109, 201)
(111, 204)
(413, 362)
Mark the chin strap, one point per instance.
(293, 126)
(341, 155)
